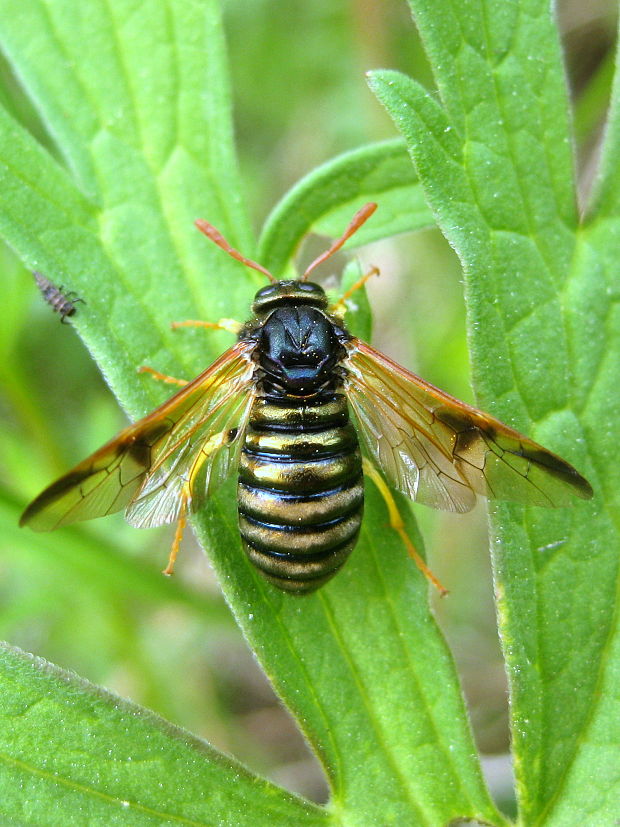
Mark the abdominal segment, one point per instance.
(300, 491)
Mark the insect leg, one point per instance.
(339, 308)
(178, 534)
(72, 296)
(162, 376)
(224, 324)
(396, 522)
(212, 444)
(230, 325)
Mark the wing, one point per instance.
(442, 452)
(192, 438)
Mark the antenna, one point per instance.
(215, 236)
(360, 217)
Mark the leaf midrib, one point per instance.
(75, 786)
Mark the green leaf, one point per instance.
(493, 155)
(593, 101)
(604, 201)
(326, 199)
(591, 790)
(71, 753)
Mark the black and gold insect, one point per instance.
(275, 407)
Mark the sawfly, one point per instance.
(275, 408)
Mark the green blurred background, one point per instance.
(91, 598)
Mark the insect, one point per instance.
(63, 303)
(276, 407)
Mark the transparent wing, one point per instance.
(442, 452)
(192, 438)
(193, 464)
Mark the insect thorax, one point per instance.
(299, 345)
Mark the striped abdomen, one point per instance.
(300, 492)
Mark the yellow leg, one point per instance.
(339, 308)
(178, 535)
(162, 376)
(230, 325)
(396, 522)
(215, 442)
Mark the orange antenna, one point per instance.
(360, 217)
(215, 235)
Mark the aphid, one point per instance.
(276, 407)
(63, 303)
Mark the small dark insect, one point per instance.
(63, 303)
(275, 407)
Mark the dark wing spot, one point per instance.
(140, 452)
